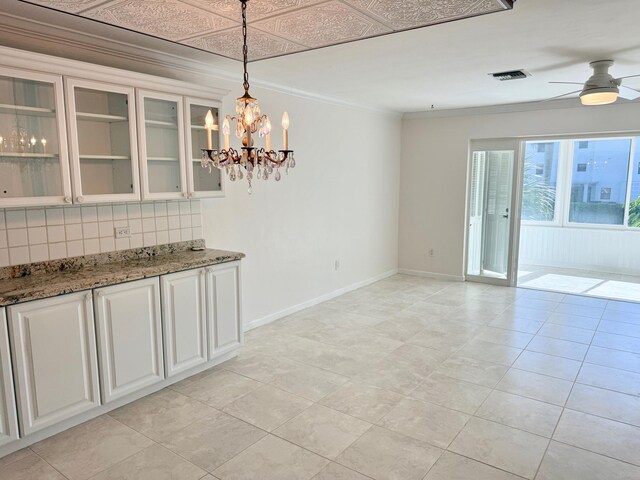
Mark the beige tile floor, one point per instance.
(408, 378)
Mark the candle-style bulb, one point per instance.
(33, 140)
(225, 127)
(267, 127)
(43, 141)
(248, 117)
(208, 120)
(285, 120)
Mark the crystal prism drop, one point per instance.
(278, 176)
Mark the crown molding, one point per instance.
(506, 108)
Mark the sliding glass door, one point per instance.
(490, 224)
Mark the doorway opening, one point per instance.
(580, 216)
(489, 219)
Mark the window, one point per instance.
(582, 182)
(540, 179)
(604, 186)
(634, 198)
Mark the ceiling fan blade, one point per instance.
(628, 76)
(629, 93)
(560, 96)
(569, 83)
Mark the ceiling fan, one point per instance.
(601, 88)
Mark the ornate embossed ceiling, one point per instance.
(277, 27)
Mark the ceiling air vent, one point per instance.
(511, 75)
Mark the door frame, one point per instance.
(514, 144)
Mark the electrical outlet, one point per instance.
(337, 265)
(123, 232)
(432, 253)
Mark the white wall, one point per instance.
(434, 169)
(339, 203)
(595, 249)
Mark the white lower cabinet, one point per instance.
(184, 314)
(129, 335)
(223, 308)
(8, 417)
(70, 354)
(54, 359)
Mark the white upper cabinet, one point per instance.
(102, 131)
(34, 167)
(202, 182)
(81, 140)
(163, 167)
(8, 418)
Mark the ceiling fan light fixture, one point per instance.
(599, 96)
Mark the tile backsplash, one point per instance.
(36, 234)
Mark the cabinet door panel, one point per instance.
(8, 418)
(129, 337)
(161, 140)
(223, 297)
(55, 359)
(202, 182)
(184, 320)
(102, 132)
(33, 140)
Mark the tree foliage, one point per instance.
(538, 197)
(634, 213)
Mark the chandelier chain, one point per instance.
(245, 48)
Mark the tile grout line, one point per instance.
(564, 407)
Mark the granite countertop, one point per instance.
(48, 279)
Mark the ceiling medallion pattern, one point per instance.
(278, 27)
(259, 8)
(414, 13)
(71, 6)
(324, 24)
(229, 43)
(161, 18)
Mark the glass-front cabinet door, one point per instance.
(34, 168)
(102, 130)
(163, 167)
(202, 181)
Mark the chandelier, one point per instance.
(258, 163)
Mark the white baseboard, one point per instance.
(315, 301)
(437, 276)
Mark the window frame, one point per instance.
(565, 180)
